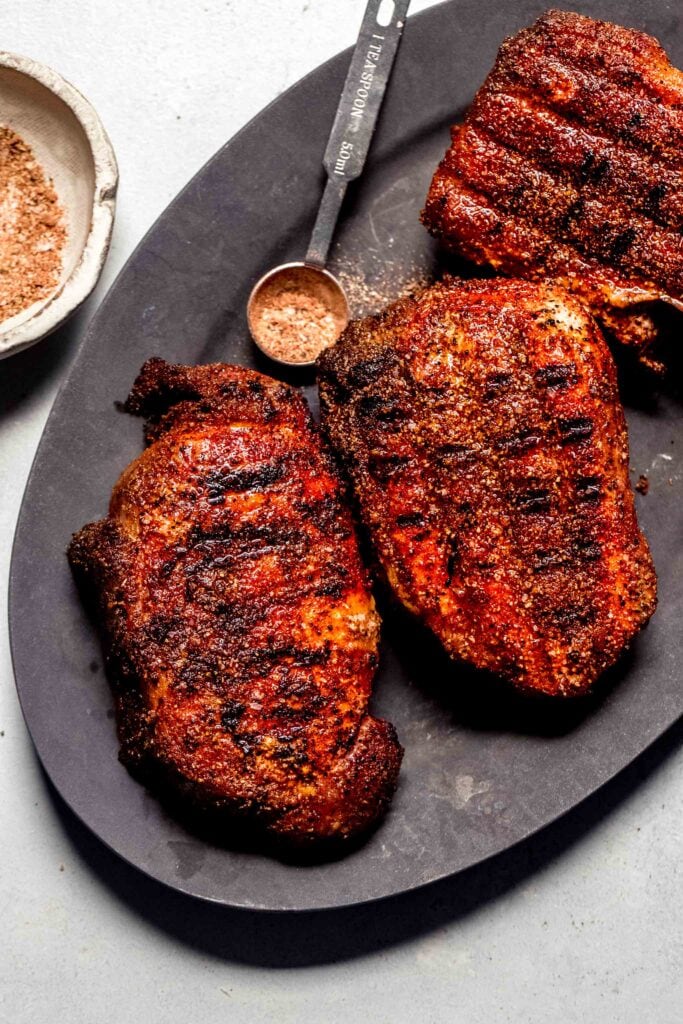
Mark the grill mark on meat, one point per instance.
(223, 597)
(369, 370)
(573, 213)
(653, 201)
(227, 532)
(588, 489)
(587, 549)
(262, 658)
(620, 242)
(323, 515)
(159, 627)
(536, 499)
(594, 169)
(200, 671)
(496, 384)
(453, 558)
(544, 561)
(231, 714)
(576, 429)
(556, 376)
(376, 409)
(225, 544)
(383, 467)
(519, 442)
(287, 713)
(335, 588)
(251, 478)
(570, 619)
(410, 519)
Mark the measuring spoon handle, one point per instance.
(356, 117)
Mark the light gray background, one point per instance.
(581, 923)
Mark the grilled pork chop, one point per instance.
(481, 426)
(569, 164)
(241, 633)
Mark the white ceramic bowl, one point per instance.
(72, 147)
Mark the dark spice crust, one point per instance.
(480, 424)
(240, 631)
(569, 164)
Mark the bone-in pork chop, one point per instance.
(481, 426)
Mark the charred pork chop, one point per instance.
(240, 629)
(569, 165)
(481, 426)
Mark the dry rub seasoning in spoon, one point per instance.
(32, 229)
(310, 311)
(295, 312)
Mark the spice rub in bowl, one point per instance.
(58, 179)
(32, 228)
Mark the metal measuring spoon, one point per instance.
(347, 148)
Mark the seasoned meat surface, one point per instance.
(481, 427)
(569, 164)
(241, 632)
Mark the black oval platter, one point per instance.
(482, 769)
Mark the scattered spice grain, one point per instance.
(378, 282)
(643, 485)
(32, 229)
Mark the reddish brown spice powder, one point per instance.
(296, 315)
(32, 229)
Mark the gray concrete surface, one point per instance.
(581, 924)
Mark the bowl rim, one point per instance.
(73, 291)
